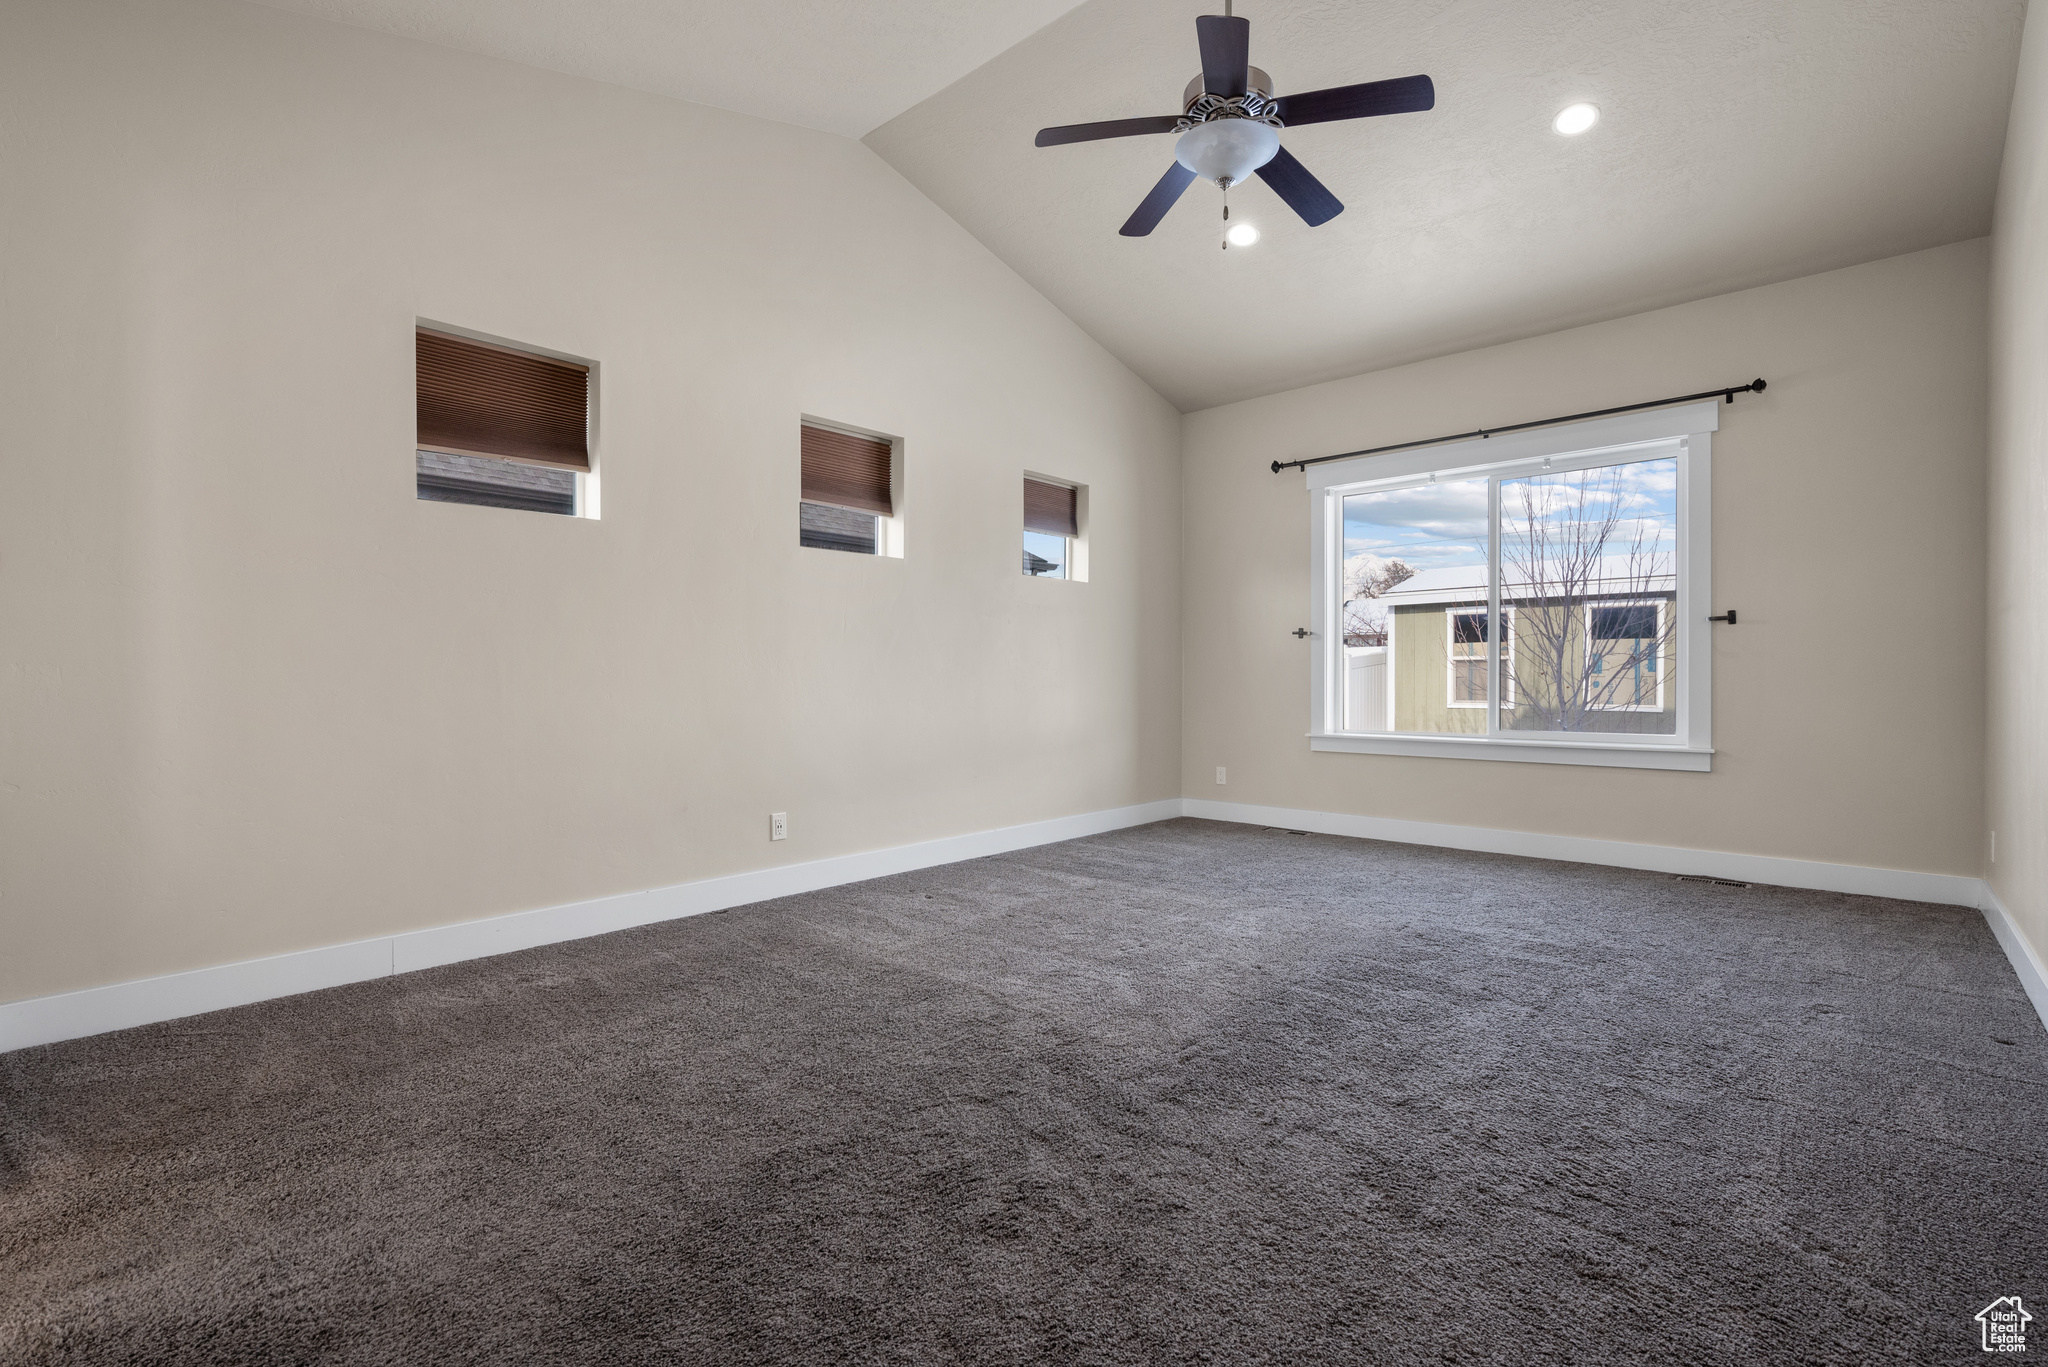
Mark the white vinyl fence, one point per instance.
(1368, 691)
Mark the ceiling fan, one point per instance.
(1230, 126)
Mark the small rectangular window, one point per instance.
(1624, 647)
(499, 427)
(847, 497)
(1052, 527)
(1635, 622)
(1469, 662)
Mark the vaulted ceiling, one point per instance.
(1741, 142)
(841, 66)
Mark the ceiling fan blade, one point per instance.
(1304, 194)
(1109, 128)
(1402, 95)
(1226, 49)
(1176, 179)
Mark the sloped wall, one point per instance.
(254, 697)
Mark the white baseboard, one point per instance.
(71, 1015)
(2026, 960)
(118, 1006)
(1950, 889)
(95, 1010)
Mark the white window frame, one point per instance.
(1662, 605)
(1684, 432)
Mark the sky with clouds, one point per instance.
(1443, 525)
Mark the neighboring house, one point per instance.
(495, 483)
(1592, 650)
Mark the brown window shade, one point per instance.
(476, 399)
(845, 470)
(1049, 508)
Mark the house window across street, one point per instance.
(1626, 646)
(1468, 657)
(1538, 596)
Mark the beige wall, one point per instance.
(2017, 767)
(255, 698)
(1848, 530)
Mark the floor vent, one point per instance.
(1701, 878)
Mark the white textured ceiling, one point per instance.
(843, 66)
(1743, 141)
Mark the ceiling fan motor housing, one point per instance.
(1256, 82)
(1226, 138)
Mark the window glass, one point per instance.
(1045, 555)
(1588, 568)
(1414, 569)
(829, 528)
(494, 483)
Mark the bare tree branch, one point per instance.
(1368, 578)
(1572, 563)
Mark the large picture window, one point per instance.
(1540, 596)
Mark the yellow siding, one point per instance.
(1421, 651)
(1422, 645)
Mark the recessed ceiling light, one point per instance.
(1575, 119)
(1243, 235)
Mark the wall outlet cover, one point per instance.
(778, 825)
(1219, 773)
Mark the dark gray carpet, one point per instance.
(1192, 1093)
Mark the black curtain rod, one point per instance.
(1729, 393)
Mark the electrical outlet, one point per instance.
(778, 825)
(1994, 847)
(1219, 773)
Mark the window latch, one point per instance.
(1301, 633)
(1728, 617)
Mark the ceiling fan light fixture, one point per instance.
(1243, 235)
(1230, 127)
(1227, 149)
(1575, 119)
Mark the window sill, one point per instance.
(1606, 754)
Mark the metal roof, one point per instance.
(1617, 575)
